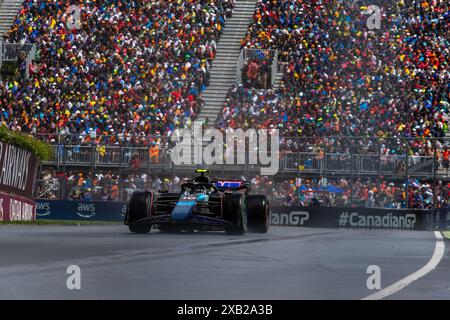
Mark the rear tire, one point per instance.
(235, 211)
(258, 214)
(140, 228)
(139, 208)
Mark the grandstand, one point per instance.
(344, 80)
(132, 69)
(362, 111)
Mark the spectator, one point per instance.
(134, 68)
(342, 79)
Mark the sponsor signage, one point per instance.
(15, 208)
(291, 218)
(79, 210)
(17, 170)
(345, 217)
(316, 217)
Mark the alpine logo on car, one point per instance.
(228, 184)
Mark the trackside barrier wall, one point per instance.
(346, 217)
(16, 208)
(315, 217)
(18, 174)
(79, 210)
(18, 169)
(441, 219)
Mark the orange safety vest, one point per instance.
(154, 151)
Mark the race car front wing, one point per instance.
(195, 219)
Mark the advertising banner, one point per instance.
(15, 208)
(313, 217)
(18, 170)
(346, 217)
(80, 210)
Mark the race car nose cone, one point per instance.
(183, 211)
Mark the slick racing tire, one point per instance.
(138, 208)
(235, 211)
(140, 228)
(258, 213)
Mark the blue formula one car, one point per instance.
(201, 205)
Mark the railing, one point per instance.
(112, 156)
(12, 51)
(239, 67)
(341, 163)
(274, 68)
(269, 55)
(289, 162)
(420, 164)
(259, 54)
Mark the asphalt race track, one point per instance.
(286, 263)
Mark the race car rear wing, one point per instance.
(231, 185)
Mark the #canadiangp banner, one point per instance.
(346, 217)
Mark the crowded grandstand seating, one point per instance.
(342, 79)
(133, 68)
(107, 185)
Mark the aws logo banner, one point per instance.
(78, 210)
(86, 210)
(43, 208)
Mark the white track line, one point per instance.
(399, 285)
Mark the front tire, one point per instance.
(258, 214)
(139, 208)
(235, 211)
